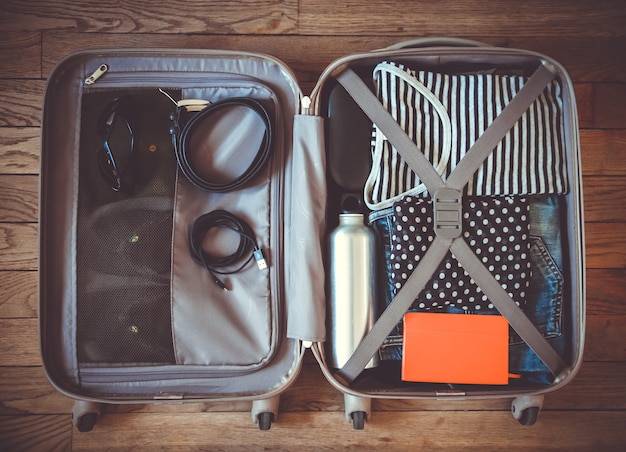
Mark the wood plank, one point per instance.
(584, 104)
(605, 338)
(21, 103)
(604, 246)
(19, 150)
(19, 246)
(499, 18)
(26, 390)
(256, 17)
(36, 433)
(603, 152)
(21, 59)
(606, 291)
(20, 198)
(586, 60)
(19, 342)
(609, 105)
(496, 18)
(604, 199)
(18, 294)
(301, 431)
(597, 386)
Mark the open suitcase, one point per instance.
(138, 215)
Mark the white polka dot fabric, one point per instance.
(496, 228)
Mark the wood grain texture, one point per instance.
(19, 150)
(606, 291)
(20, 200)
(21, 102)
(303, 431)
(151, 16)
(22, 58)
(605, 338)
(587, 38)
(36, 433)
(584, 101)
(18, 294)
(25, 390)
(454, 18)
(19, 246)
(603, 152)
(602, 196)
(19, 342)
(610, 106)
(604, 244)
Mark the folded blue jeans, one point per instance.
(544, 297)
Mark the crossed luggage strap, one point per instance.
(447, 193)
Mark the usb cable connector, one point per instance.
(260, 259)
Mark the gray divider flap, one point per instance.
(235, 329)
(305, 224)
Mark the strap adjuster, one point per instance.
(448, 213)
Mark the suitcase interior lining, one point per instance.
(345, 189)
(141, 298)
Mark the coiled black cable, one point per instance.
(181, 137)
(215, 264)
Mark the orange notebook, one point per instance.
(455, 348)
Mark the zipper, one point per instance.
(130, 78)
(113, 375)
(90, 80)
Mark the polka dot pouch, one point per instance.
(496, 228)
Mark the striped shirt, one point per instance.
(445, 114)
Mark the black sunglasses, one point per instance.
(115, 129)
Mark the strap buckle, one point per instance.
(448, 213)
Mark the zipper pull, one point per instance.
(96, 74)
(305, 103)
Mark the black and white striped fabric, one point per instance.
(445, 114)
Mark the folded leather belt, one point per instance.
(181, 140)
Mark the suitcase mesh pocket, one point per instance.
(123, 299)
(123, 238)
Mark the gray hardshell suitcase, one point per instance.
(131, 309)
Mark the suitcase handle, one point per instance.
(436, 42)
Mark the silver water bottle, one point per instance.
(352, 290)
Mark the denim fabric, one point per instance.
(382, 222)
(544, 303)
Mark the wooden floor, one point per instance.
(588, 38)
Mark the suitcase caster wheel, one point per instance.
(86, 422)
(529, 416)
(265, 420)
(358, 420)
